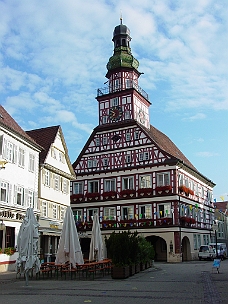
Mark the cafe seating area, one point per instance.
(88, 270)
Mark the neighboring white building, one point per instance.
(56, 172)
(19, 169)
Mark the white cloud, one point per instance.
(198, 116)
(207, 154)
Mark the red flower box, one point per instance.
(163, 188)
(186, 190)
(109, 194)
(77, 197)
(128, 192)
(93, 195)
(145, 191)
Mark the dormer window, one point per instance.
(136, 135)
(97, 142)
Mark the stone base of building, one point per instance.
(174, 257)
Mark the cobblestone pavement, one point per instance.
(187, 282)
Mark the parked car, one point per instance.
(206, 252)
(221, 249)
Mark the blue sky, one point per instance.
(53, 58)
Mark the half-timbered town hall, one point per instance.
(133, 175)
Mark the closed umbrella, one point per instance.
(69, 249)
(96, 244)
(27, 244)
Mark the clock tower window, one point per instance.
(127, 115)
(115, 101)
(105, 119)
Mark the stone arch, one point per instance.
(160, 247)
(186, 249)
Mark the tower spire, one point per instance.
(121, 18)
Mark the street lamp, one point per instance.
(215, 228)
(3, 162)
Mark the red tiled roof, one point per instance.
(44, 137)
(7, 121)
(165, 143)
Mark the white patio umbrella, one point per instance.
(27, 244)
(96, 244)
(69, 249)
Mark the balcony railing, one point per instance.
(117, 88)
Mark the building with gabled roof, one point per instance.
(133, 175)
(56, 172)
(19, 169)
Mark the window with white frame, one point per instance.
(116, 84)
(127, 183)
(62, 213)
(61, 157)
(47, 178)
(109, 185)
(146, 156)
(115, 101)
(127, 212)
(145, 212)
(44, 209)
(105, 119)
(105, 140)
(136, 135)
(92, 163)
(141, 156)
(21, 157)
(163, 179)
(97, 141)
(198, 240)
(78, 188)
(128, 83)
(186, 182)
(56, 182)
(4, 192)
(128, 136)
(127, 115)
(181, 180)
(93, 186)
(109, 213)
(65, 185)
(20, 196)
(31, 162)
(11, 152)
(31, 199)
(128, 158)
(53, 152)
(105, 162)
(78, 215)
(91, 213)
(145, 181)
(164, 210)
(54, 211)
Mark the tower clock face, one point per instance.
(115, 113)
